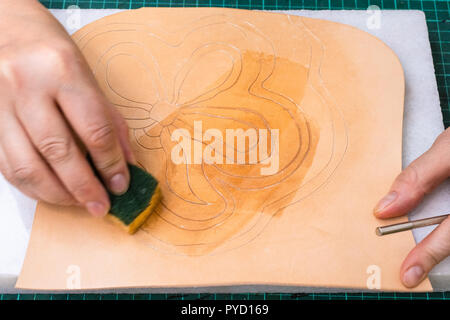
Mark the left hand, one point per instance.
(407, 191)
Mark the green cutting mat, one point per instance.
(438, 20)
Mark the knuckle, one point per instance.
(55, 59)
(81, 189)
(110, 164)
(411, 178)
(9, 72)
(431, 255)
(63, 200)
(55, 149)
(100, 137)
(409, 175)
(23, 175)
(63, 57)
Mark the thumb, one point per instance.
(418, 179)
(428, 253)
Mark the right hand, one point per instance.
(409, 188)
(49, 100)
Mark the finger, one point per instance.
(89, 114)
(24, 168)
(418, 179)
(428, 253)
(5, 169)
(122, 129)
(59, 149)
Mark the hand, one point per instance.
(418, 179)
(49, 102)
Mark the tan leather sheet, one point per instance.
(325, 97)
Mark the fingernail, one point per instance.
(118, 184)
(386, 201)
(413, 276)
(97, 209)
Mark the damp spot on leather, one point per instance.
(229, 84)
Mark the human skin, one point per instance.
(49, 100)
(51, 111)
(418, 179)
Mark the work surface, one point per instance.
(404, 32)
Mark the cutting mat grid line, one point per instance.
(437, 14)
(237, 296)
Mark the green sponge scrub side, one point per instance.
(129, 205)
